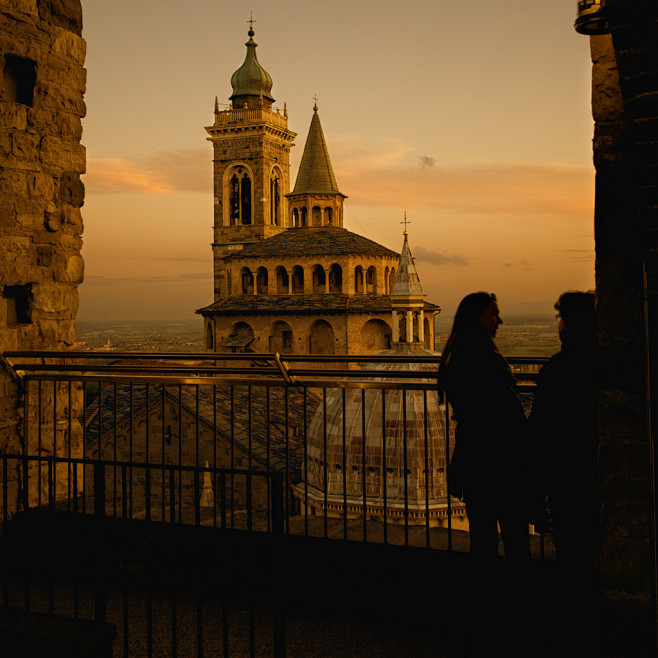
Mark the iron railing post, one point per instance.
(276, 495)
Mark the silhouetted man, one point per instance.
(563, 423)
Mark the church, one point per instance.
(288, 277)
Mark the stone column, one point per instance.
(410, 327)
(624, 90)
(395, 327)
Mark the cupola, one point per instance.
(251, 82)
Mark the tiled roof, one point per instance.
(313, 241)
(330, 303)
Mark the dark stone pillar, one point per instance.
(625, 109)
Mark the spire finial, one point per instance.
(251, 22)
(405, 221)
(315, 104)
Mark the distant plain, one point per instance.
(520, 335)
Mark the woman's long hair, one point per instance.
(466, 323)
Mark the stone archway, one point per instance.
(322, 339)
(375, 336)
(319, 281)
(281, 338)
(241, 337)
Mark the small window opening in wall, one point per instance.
(18, 79)
(18, 304)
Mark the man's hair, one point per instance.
(578, 312)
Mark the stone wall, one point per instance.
(42, 82)
(625, 109)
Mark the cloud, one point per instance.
(351, 154)
(172, 259)
(379, 173)
(169, 279)
(181, 170)
(382, 174)
(437, 257)
(579, 254)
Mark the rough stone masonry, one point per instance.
(42, 82)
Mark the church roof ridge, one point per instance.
(313, 240)
(316, 175)
(302, 304)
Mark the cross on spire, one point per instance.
(315, 99)
(251, 22)
(405, 221)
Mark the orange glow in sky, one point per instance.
(473, 117)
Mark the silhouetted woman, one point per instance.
(487, 467)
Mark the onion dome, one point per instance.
(251, 79)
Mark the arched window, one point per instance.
(262, 281)
(316, 216)
(358, 279)
(319, 279)
(387, 289)
(210, 338)
(428, 334)
(281, 338)
(303, 218)
(391, 279)
(275, 199)
(295, 218)
(371, 281)
(282, 281)
(328, 216)
(240, 198)
(241, 337)
(247, 279)
(375, 336)
(322, 339)
(297, 280)
(336, 278)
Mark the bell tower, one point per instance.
(251, 170)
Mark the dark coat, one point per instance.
(489, 455)
(563, 423)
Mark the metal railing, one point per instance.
(347, 447)
(361, 442)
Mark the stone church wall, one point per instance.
(42, 82)
(625, 110)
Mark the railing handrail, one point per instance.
(216, 356)
(155, 466)
(274, 365)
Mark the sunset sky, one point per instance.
(472, 116)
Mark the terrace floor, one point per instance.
(334, 597)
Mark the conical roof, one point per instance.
(251, 79)
(407, 282)
(316, 175)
